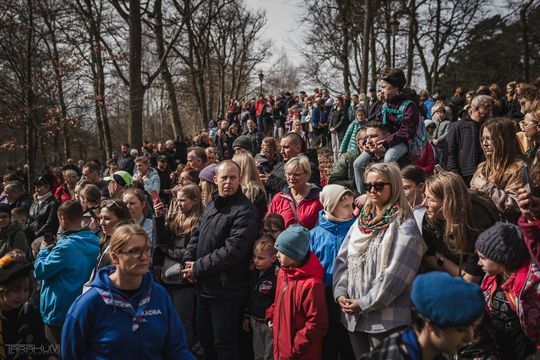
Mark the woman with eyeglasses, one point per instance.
(499, 176)
(125, 314)
(378, 261)
(531, 127)
(298, 202)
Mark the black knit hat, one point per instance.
(397, 78)
(13, 269)
(503, 243)
(244, 142)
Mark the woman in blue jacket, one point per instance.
(124, 315)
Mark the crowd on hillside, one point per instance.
(392, 225)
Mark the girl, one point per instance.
(251, 182)
(125, 314)
(349, 139)
(207, 184)
(138, 208)
(414, 179)
(89, 197)
(273, 224)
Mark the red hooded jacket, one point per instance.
(307, 210)
(299, 315)
(531, 234)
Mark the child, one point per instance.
(511, 290)
(298, 317)
(326, 238)
(273, 225)
(348, 143)
(262, 293)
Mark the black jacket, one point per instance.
(126, 163)
(338, 120)
(43, 218)
(262, 292)
(24, 201)
(221, 246)
(464, 150)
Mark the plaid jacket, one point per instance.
(390, 349)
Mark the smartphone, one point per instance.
(155, 196)
(93, 215)
(526, 181)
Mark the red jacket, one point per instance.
(531, 234)
(62, 193)
(299, 315)
(522, 290)
(307, 210)
(427, 160)
(259, 107)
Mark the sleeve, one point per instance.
(153, 183)
(315, 177)
(505, 199)
(50, 262)
(77, 329)
(402, 267)
(236, 249)
(339, 174)
(445, 125)
(51, 225)
(175, 346)
(276, 182)
(316, 325)
(408, 127)
(343, 147)
(342, 121)
(453, 149)
(340, 279)
(531, 236)
(191, 249)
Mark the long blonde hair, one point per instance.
(251, 183)
(181, 223)
(393, 175)
(457, 209)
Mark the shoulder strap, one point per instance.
(293, 208)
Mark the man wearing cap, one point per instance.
(12, 235)
(146, 174)
(126, 162)
(118, 182)
(243, 144)
(217, 260)
(445, 311)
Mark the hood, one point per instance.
(84, 239)
(103, 282)
(312, 194)
(340, 228)
(312, 268)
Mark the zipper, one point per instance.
(281, 303)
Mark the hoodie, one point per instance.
(299, 315)
(98, 325)
(64, 270)
(304, 213)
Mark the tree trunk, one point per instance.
(388, 36)
(136, 89)
(365, 47)
(410, 41)
(31, 121)
(373, 49)
(525, 36)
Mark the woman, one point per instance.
(512, 101)
(531, 127)
(207, 184)
(42, 215)
(299, 202)
(269, 155)
(233, 132)
(251, 183)
(173, 238)
(66, 191)
(378, 261)
(125, 314)
(499, 176)
(414, 182)
(138, 208)
(454, 218)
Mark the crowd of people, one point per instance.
(392, 225)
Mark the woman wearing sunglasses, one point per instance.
(125, 314)
(378, 261)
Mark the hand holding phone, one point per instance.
(526, 181)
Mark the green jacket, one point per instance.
(13, 237)
(348, 143)
(343, 171)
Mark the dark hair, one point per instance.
(414, 174)
(19, 211)
(199, 153)
(126, 145)
(71, 210)
(528, 92)
(274, 219)
(417, 321)
(118, 208)
(296, 139)
(92, 166)
(376, 124)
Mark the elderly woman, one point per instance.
(298, 203)
(378, 261)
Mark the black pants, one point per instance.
(218, 323)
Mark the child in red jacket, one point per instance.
(298, 317)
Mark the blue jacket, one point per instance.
(326, 240)
(428, 104)
(95, 330)
(64, 270)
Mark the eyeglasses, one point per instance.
(295, 175)
(524, 126)
(109, 204)
(137, 252)
(379, 186)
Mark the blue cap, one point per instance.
(293, 242)
(447, 301)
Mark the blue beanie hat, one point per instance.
(293, 242)
(445, 300)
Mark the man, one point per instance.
(439, 326)
(17, 196)
(91, 172)
(172, 154)
(161, 151)
(126, 162)
(292, 145)
(146, 174)
(12, 235)
(254, 135)
(164, 179)
(197, 158)
(64, 267)
(218, 257)
(243, 144)
(118, 182)
(351, 109)
(463, 139)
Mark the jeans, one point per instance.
(392, 155)
(218, 323)
(183, 298)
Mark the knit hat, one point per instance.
(445, 300)
(503, 243)
(208, 173)
(293, 242)
(244, 142)
(331, 195)
(13, 269)
(6, 209)
(397, 79)
(122, 178)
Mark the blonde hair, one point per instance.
(181, 223)
(122, 234)
(207, 188)
(252, 185)
(457, 209)
(300, 161)
(391, 172)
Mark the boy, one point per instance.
(262, 293)
(298, 317)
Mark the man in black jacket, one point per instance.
(125, 161)
(464, 150)
(220, 250)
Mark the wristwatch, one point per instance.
(440, 261)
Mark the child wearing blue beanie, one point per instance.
(298, 317)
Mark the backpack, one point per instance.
(418, 143)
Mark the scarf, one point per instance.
(125, 305)
(369, 224)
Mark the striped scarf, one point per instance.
(125, 305)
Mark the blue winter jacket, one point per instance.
(64, 269)
(326, 240)
(95, 330)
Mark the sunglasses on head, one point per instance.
(110, 203)
(379, 186)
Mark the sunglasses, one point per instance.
(110, 203)
(379, 186)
